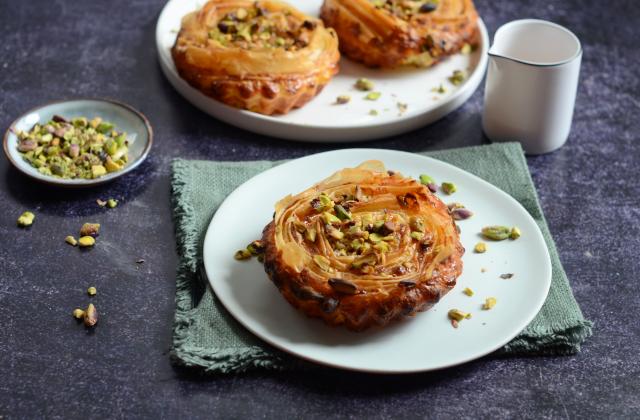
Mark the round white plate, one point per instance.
(322, 121)
(425, 342)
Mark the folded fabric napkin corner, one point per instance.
(207, 337)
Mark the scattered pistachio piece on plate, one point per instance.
(489, 303)
(480, 248)
(449, 188)
(343, 99)
(364, 84)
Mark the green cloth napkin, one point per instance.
(206, 336)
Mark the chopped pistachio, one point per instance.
(496, 233)
(310, 235)
(322, 203)
(334, 233)
(86, 241)
(515, 233)
(343, 99)
(372, 96)
(26, 219)
(112, 203)
(98, 170)
(439, 89)
(91, 291)
(418, 236)
(80, 149)
(364, 84)
(448, 187)
(78, 313)
(458, 315)
(341, 212)
(467, 291)
(489, 303)
(90, 229)
(382, 246)
(426, 179)
(256, 247)
(373, 112)
(457, 77)
(466, 49)
(374, 237)
(242, 254)
(330, 218)
(71, 240)
(480, 248)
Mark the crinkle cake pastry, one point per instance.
(362, 248)
(263, 56)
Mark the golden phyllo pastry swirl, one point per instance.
(362, 248)
(264, 56)
(392, 33)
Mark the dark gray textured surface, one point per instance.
(49, 366)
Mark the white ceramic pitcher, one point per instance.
(531, 84)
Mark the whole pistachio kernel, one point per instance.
(489, 303)
(515, 233)
(26, 219)
(90, 316)
(86, 241)
(373, 96)
(496, 233)
(480, 248)
(242, 254)
(71, 240)
(78, 313)
(448, 187)
(364, 84)
(91, 291)
(467, 291)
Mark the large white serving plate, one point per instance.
(322, 121)
(425, 342)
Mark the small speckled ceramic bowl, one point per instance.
(124, 117)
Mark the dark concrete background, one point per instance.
(51, 367)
